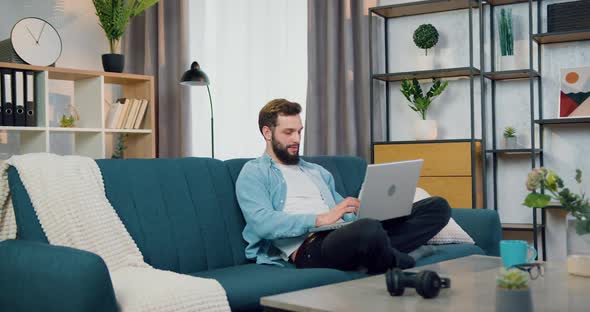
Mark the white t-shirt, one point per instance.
(303, 197)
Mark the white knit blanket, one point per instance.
(68, 195)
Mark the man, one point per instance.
(282, 197)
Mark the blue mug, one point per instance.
(515, 252)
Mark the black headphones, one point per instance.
(427, 283)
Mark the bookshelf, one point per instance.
(90, 137)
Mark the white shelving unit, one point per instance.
(89, 137)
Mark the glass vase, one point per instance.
(578, 249)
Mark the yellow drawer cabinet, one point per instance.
(447, 167)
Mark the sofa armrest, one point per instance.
(483, 226)
(40, 277)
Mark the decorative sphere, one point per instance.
(425, 36)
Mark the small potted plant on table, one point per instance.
(512, 291)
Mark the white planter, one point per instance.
(510, 143)
(513, 300)
(425, 62)
(507, 62)
(426, 130)
(519, 60)
(578, 250)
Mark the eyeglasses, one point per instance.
(534, 269)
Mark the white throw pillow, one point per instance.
(452, 233)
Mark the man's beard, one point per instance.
(282, 152)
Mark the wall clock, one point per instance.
(36, 41)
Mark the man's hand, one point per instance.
(349, 204)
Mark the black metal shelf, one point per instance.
(525, 227)
(422, 7)
(505, 2)
(519, 151)
(563, 36)
(562, 121)
(532, 77)
(433, 6)
(459, 72)
(511, 74)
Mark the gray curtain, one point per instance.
(337, 112)
(156, 43)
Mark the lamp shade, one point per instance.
(194, 76)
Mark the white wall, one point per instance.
(565, 146)
(253, 51)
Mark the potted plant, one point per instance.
(120, 146)
(69, 121)
(578, 219)
(512, 291)
(114, 16)
(507, 58)
(510, 138)
(425, 37)
(506, 35)
(420, 103)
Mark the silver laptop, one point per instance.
(387, 192)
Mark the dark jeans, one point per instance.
(373, 244)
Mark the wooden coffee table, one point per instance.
(473, 283)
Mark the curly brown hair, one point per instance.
(269, 113)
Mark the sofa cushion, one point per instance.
(483, 225)
(245, 284)
(449, 252)
(28, 226)
(182, 213)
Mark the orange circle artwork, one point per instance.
(572, 77)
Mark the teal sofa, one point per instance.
(184, 217)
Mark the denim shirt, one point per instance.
(261, 191)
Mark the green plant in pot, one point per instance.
(512, 291)
(114, 16)
(425, 37)
(120, 146)
(510, 137)
(506, 33)
(420, 103)
(507, 58)
(577, 207)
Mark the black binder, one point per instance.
(18, 84)
(7, 97)
(30, 99)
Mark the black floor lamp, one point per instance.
(196, 77)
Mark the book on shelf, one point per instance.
(126, 113)
(141, 114)
(132, 114)
(111, 119)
